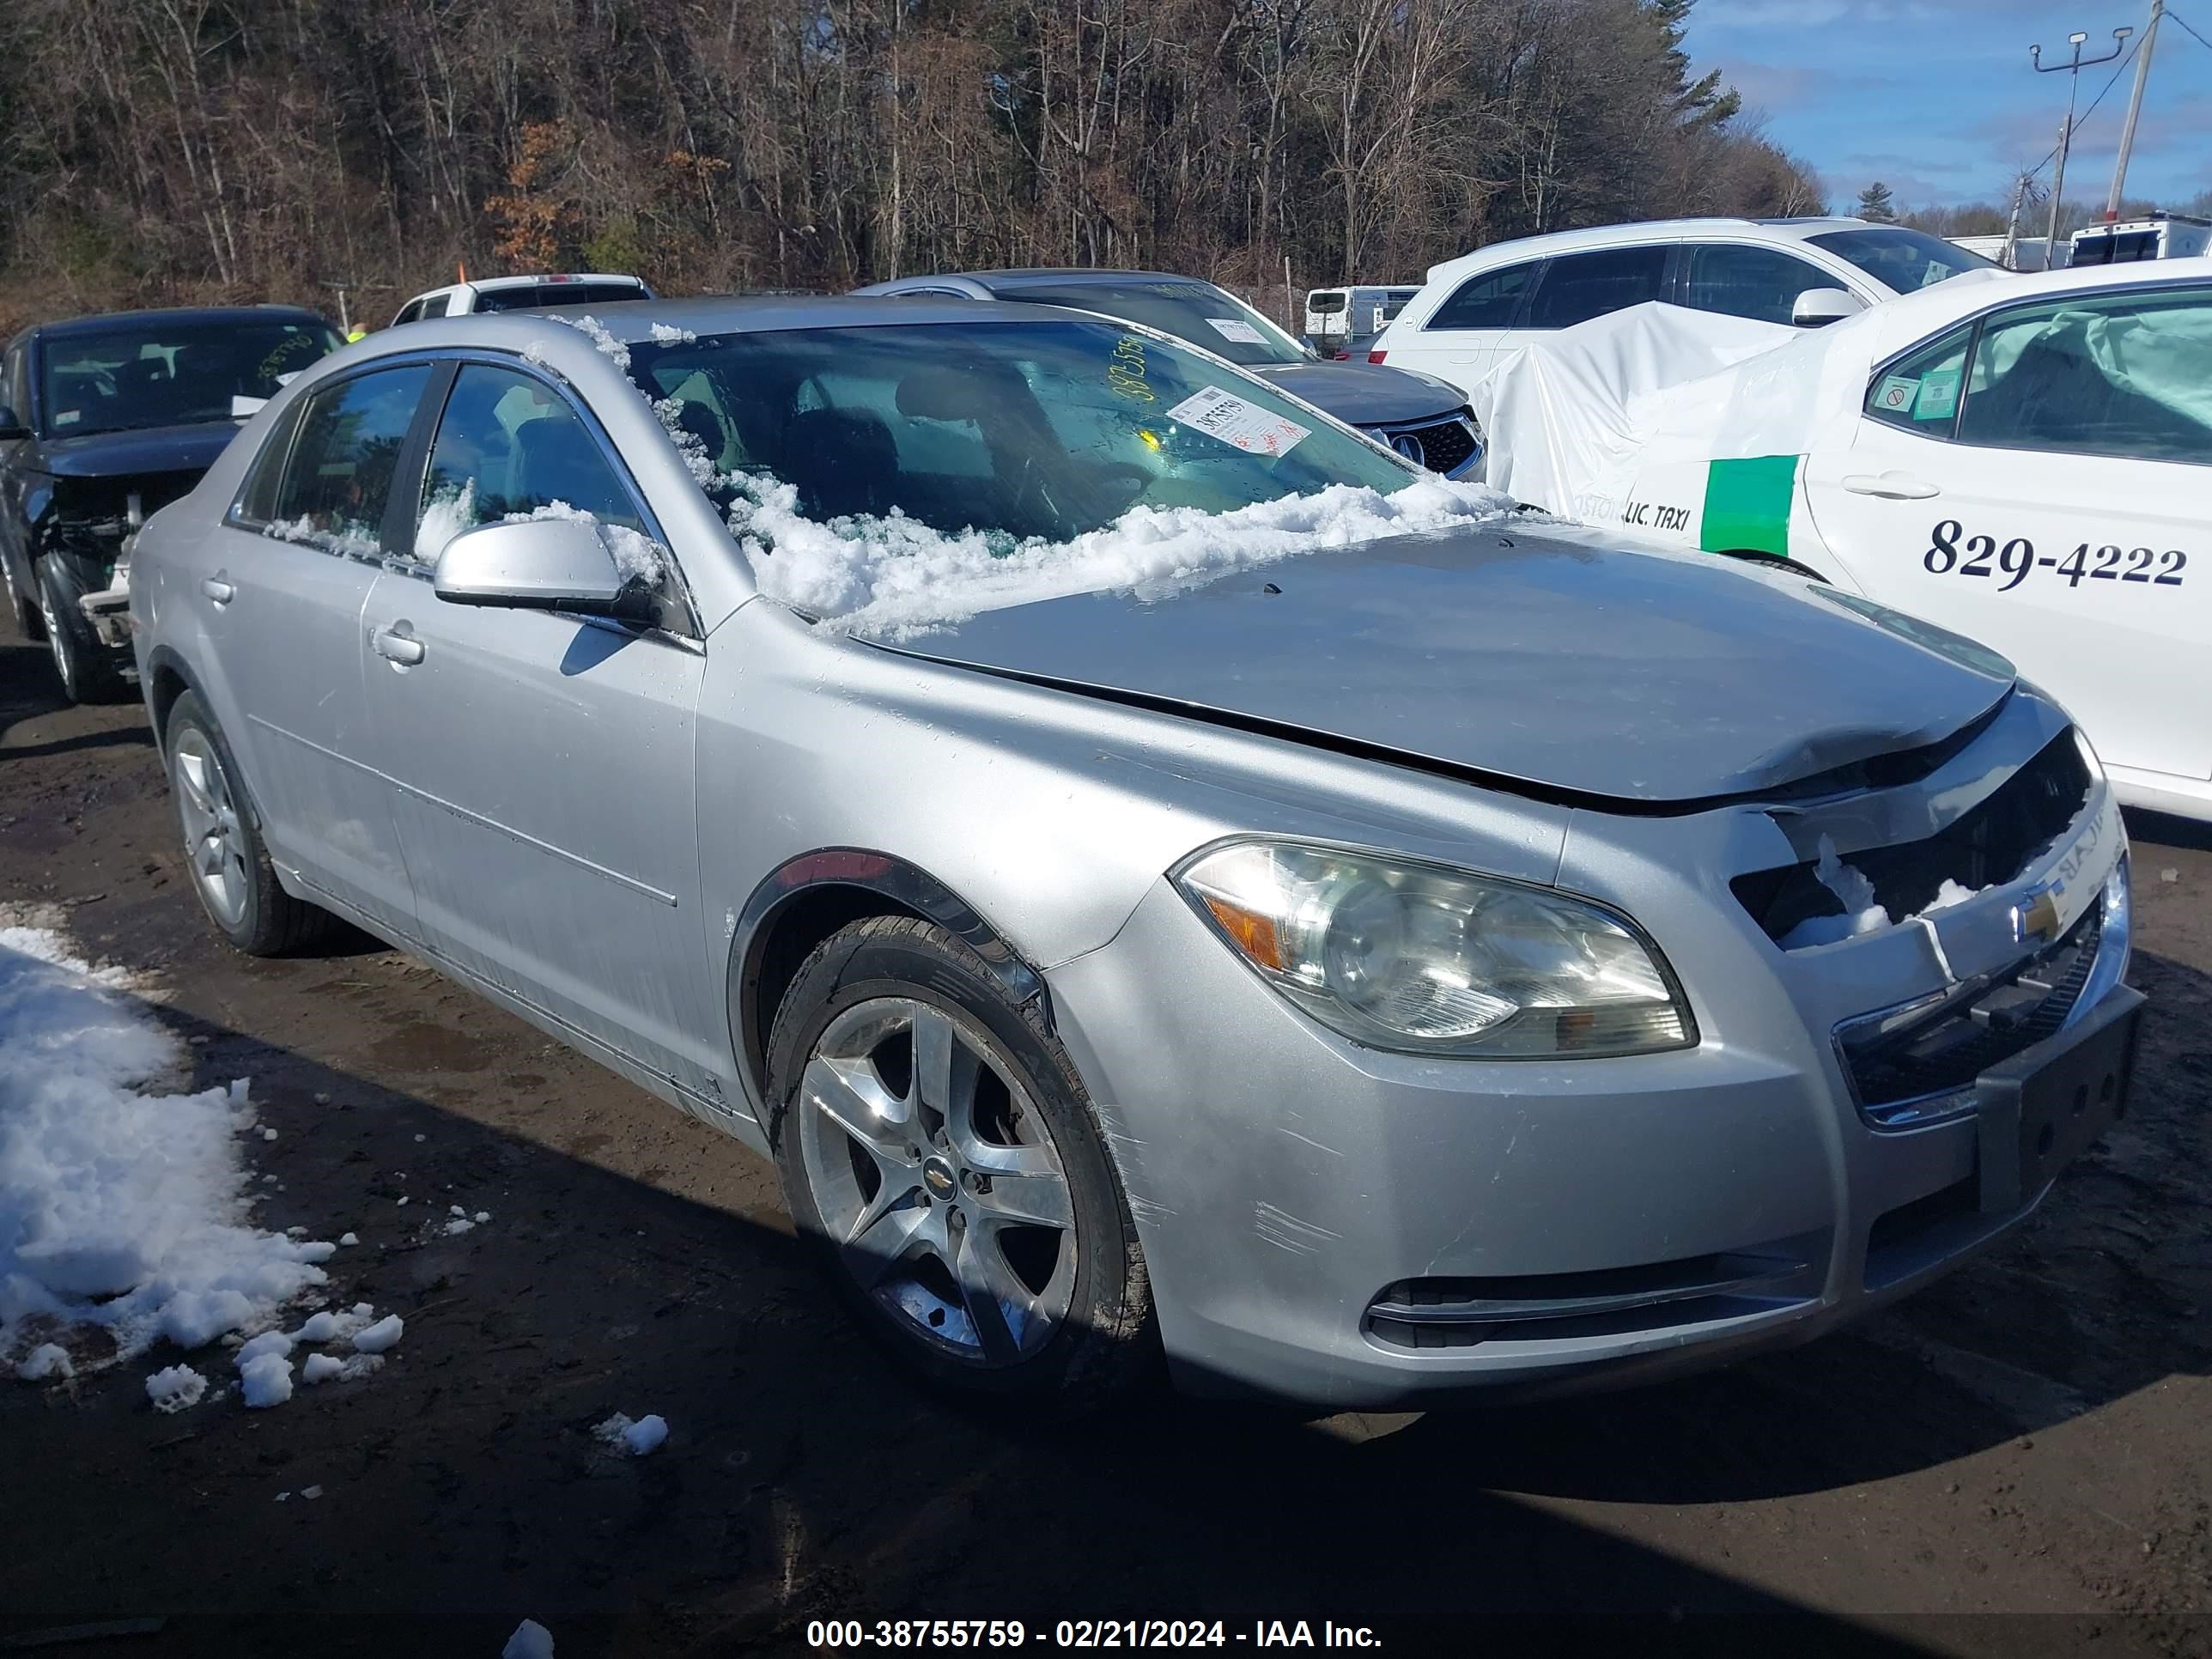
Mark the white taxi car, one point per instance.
(2028, 462)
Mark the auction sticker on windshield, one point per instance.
(1225, 416)
(1233, 328)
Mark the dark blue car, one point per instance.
(104, 419)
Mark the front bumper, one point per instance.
(109, 613)
(1352, 1229)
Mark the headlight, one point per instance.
(1423, 959)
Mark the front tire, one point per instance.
(80, 660)
(223, 850)
(939, 1153)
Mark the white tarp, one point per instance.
(1567, 412)
(1575, 419)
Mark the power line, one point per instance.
(2183, 21)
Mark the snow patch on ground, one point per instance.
(177, 1389)
(265, 1379)
(896, 576)
(320, 1368)
(47, 1359)
(123, 1207)
(383, 1334)
(530, 1640)
(632, 1439)
(269, 1342)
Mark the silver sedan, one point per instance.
(1359, 968)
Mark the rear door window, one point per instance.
(1577, 287)
(1920, 392)
(337, 480)
(1489, 300)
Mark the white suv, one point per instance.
(1806, 271)
(521, 294)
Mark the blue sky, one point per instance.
(1938, 101)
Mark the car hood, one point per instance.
(1366, 394)
(1568, 669)
(153, 449)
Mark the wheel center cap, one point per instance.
(937, 1175)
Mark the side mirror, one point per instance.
(11, 425)
(540, 564)
(1817, 307)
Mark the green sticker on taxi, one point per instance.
(1939, 395)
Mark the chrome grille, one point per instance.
(1444, 446)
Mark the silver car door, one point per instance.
(544, 763)
(279, 594)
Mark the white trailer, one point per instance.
(2160, 236)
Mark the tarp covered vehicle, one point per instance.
(2026, 461)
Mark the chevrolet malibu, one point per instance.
(1159, 875)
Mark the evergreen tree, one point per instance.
(1875, 205)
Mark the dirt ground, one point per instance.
(2017, 1461)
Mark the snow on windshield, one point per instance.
(895, 577)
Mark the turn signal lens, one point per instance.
(1376, 357)
(1423, 959)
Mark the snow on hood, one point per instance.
(893, 577)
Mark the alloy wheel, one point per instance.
(936, 1176)
(215, 842)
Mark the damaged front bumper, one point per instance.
(1350, 1228)
(109, 612)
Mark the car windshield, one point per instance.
(1197, 312)
(157, 373)
(1901, 259)
(1029, 429)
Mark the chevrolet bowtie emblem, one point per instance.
(2037, 918)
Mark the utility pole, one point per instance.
(2010, 260)
(2072, 70)
(2135, 108)
(342, 288)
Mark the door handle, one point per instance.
(1890, 486)
(217, 589)
(395, 647)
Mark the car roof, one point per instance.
(1646, 230)
(766, 314)
(485, 283)
(1911, 320)
(633, 321)
(101, 322)
(1036, 276)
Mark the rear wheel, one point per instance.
(88, 674)
(230, 868)
(937, 1147)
